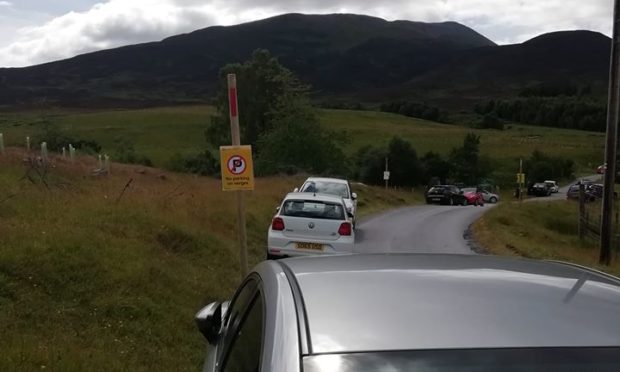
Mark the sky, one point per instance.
(39, 31)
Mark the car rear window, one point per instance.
(479, 360)
(329, 188)
(313, 209)
(437, 189)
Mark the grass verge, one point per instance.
(92, 280)
(540, 230)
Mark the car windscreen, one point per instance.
(313, 209)
(437, 189)
(469, 360)
(329, 188)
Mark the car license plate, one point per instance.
(311, 246)
(435, 198)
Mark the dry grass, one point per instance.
(91, 283)
(541, 230)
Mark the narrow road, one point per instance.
(420, 229)
(427, 228)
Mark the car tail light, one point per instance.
(345, 229)
(277, 224)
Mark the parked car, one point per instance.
(553, 186)
(310, 224)
(539, 189)
(332, 186)
(487, 196)
(445, 194)
(573, 192)
(474, 198)
(407, 312)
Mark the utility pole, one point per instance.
(613, 105)
(386, 175)
(236, 141)
(521, 180)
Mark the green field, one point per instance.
(539, 230)
(158, 133)
(92, 281)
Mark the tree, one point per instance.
(262, 83)
(404, 166)
(434, 167)
(296, 142)
(277, 119)
(465, 160)
(369, 165)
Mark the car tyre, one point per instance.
(464, 202)
(273, 256)
(493, 200)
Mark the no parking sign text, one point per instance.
(237, 168)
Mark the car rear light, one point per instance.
(345, 229)
(277, 224)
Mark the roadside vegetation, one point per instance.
(96, 278)
(539, 230)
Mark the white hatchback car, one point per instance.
(333, 186)
(310, 224)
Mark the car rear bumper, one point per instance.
(280, 245)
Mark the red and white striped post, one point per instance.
(236, 141)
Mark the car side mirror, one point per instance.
(209, 320)
(350, 214)
(296, 189)
(353, 196)
(278, 208)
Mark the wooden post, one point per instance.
(44, 151)
(1, 143)
(582, 211)
(613, 105)
(71, 152)
(28, 143)
(387, 170)
(236, 141)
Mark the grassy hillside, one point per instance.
(160, 132)
(92, 282)
(540, 230)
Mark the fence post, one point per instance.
(582, 211)
(1, 143)
(64, 153)
(107, 164)
(44, 151)
(71, 152)
(28, 144)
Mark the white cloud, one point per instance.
(119, 22)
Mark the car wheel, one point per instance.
(493, 200)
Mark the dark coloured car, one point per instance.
(539, 189)
(407, 312)
(445, 194)
(573, 192)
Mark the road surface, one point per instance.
(420, 229)
(427, 228)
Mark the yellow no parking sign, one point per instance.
(237, 168)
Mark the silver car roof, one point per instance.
(314, 196)
(404, 302)
(327, 179)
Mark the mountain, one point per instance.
(341, 55)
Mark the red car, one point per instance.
(474, 198)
